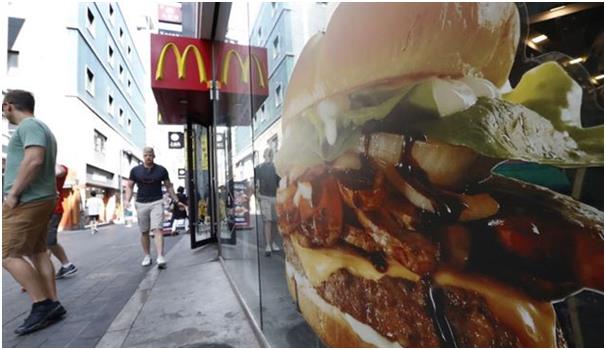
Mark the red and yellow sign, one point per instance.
(241, 69)
(187, 64)
(180, 63)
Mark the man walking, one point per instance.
(267, 183)
(29, 199)
(179, 217)
(149, 178)
(67, 268)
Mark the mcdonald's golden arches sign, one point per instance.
(180, 63)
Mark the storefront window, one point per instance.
(412, 174)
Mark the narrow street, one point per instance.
(109, 272)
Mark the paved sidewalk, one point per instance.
(190, 304)
(110, 271)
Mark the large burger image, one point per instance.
(396, 230)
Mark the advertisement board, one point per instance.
(396, 229)
(241, 210)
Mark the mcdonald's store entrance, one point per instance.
(363, 228)
(219, 90)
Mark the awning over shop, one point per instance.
(187, 73)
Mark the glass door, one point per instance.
(199, 186)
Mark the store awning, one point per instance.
(187, 73)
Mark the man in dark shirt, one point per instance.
(179, 217)
(267, 183)
(149, 178)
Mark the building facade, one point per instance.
(88, 80)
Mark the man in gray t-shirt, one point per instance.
(29, 200)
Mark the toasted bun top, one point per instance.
(369, 43)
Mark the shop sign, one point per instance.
(242, 69)
(180, 64)
(169, 14)
(241, 211)
(181, 173)
(175, 140)
(174, 69)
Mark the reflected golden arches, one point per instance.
(244, 68)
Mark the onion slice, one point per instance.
(413, 195)
(445, 165)
(478, 206)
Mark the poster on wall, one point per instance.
(241, 214)
(396, 230)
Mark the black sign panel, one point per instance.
(175, 139)
(181, 173)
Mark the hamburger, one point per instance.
(396, 232)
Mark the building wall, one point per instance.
(126, 113)
(142, 25)
(54, 53)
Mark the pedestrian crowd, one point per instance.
(32, 209)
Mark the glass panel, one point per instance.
(282, 29)
(233, 134)
(408, 207)
(391, 213)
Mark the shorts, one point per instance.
(25, 228)
(150, 215)
(94, 217)
(268, 208)
(52, 229)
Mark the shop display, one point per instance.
(396, 232)
(241, 210)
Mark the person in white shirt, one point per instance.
(93, 206)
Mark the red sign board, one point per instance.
(182, 77)
(185, 64)
(180, 63)
(241, 69)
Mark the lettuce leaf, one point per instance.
(548, 90)
(500, 129)
(538, 121)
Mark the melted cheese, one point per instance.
(534, 322)
(320, 263)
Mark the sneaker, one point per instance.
(146, 261)
(66, 271)
(267, 251)
(59, 312)
(161, 262)
(42, 315)
(275, 247)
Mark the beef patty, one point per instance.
(401, 311)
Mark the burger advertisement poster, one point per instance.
(398, 231)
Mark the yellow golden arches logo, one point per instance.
(244, 68)
(181, 62)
